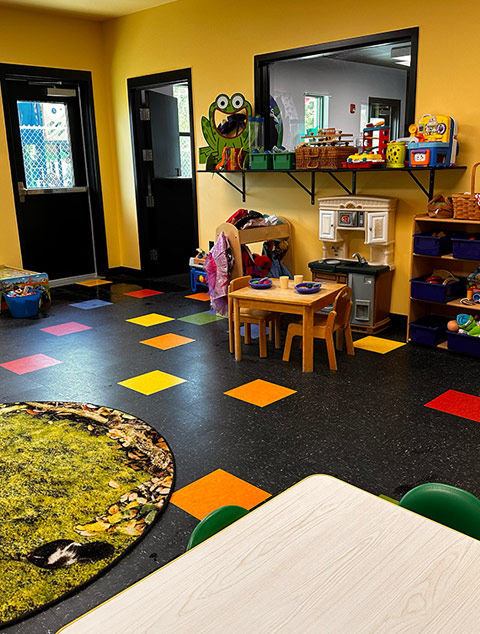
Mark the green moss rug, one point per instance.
(79, 484)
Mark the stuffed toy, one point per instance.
(465, 324)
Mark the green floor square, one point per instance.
(200, 319)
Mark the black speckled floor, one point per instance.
(365, 424)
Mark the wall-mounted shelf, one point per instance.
(413, 172)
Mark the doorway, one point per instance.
(388, 110)
(51, 138)
(163, 146)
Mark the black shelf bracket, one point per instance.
(354, 183)
(311, 191)
(242, 190)
(431, 185)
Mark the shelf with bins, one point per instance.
(413, 172)
(423, 265)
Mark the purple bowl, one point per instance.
(306, 288)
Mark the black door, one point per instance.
(163, 148)
(53, 196)
(389, 111)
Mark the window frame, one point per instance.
(262, 68)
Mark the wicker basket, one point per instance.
(466, 206)
(315, 157)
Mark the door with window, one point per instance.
(52, 167)
(161, 107)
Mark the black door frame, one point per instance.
(262, 68)
(139, 142)
(84, 80)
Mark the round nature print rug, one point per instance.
(79, 485)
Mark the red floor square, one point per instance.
(144, 292)
(29, 364)
(65, 329)
(458, 404)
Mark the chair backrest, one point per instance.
(239, 282)
(447, 505)
(342, 306)
(215, 521)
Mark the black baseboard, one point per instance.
(124, 270)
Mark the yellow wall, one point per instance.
(219, 46)
(41, 39)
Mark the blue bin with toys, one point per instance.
(429, 330)
(466, 247)
(436, 292)
(23, 305)
(463, 343)
(431, 244)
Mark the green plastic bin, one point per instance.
(261, 161)
(284, 161)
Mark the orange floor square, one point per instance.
(203, 297)
(165, 342)
(260, 392)
(95, 282)
(217, 489)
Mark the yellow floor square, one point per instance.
(260, 392)
(94, 282)
(152, 319)
(216, 489)
(152, 382)
(377, 344)
(165, 342)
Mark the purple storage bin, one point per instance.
(463, 343)
(429, 330)
(420, 289)
(465, 248)
(426, 244)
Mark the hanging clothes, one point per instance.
(218, 264)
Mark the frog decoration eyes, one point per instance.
(226, 126)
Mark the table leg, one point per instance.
(236, 326)
(307, 350)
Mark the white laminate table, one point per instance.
(322, 557)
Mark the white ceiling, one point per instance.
(89, 9)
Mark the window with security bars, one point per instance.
(180, 91)
(46, 147)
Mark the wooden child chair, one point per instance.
(251, 316)
(337, 320)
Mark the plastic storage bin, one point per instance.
(261, 161)
(283, 160)
(426, 244)
(429, 330)
(420, 289)
(463, 343)
(465, 248)
(24, 305)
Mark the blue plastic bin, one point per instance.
(420, 289)
(465, 248)
(23, 305)
(426, 244)
(429, 330)
(463, 343)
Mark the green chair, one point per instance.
(447, 505)
(215, 521)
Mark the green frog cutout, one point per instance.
(226, 126)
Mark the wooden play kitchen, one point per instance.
(323, 556)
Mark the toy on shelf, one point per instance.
(326, 136)
(465, 325)
(375, 139)
(434, 142)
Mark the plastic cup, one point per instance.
(297, 279)
(284, 281)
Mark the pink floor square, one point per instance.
(65, 329)
(29, 364)
(144, 292)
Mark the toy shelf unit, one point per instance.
(342, 218)
(448, 248)
(238, 237)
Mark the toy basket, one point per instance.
(466, 206)
(332, 156)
